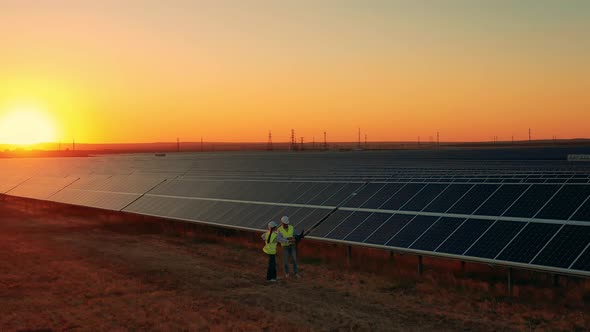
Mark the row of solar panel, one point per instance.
(543, 201)
(247, 215)
(307, 193)
(404, 179)
(543, 244)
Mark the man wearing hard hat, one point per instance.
(290, 248)
(271, 238)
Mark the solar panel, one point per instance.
(495, 239)
(583, 262)
(501, 200)
(532, 201)
(529, 241)
(565, 202)
(565, 247)
(100, 200)
(368, 226)
(340, 196)
(364, 195)
(476, 196)
(426, 195)
(448, 197)
(311, 219)
(348, 225)
(433, 238)
(313, 191)
(383, 195)
(330, 223)
(396, 201)
(464, 236)
(410, 233)
(388, 229)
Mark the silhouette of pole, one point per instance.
(293, 141)
(359, 143)
(437, 141)
(177, 144)
(325, 141)
(301, 143)
(269, 145)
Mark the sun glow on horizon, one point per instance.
(24, 126)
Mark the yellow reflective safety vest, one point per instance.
(270, 246)
(287, 233)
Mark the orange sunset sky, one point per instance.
(145, 71)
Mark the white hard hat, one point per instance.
(285, 220)
(272, 224)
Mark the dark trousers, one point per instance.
(271, 273)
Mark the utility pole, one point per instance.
(269, 144)
(74, 144)
(359, 143)
(177, 144)
(325, 141)
(437, 141)
(301, 143)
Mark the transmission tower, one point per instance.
(293, 141)
(269, 144)
(530, 135)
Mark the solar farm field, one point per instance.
(527, 215)
(524, 214)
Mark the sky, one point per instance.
(149, 71)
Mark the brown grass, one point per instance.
(66, 268)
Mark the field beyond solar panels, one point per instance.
(71, 246)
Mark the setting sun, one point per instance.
(26, 126)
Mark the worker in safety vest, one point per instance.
(271, 238)
(289, 249)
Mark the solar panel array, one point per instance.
(531, 216)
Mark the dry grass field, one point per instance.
(61, 270)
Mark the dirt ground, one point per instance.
(65, 272)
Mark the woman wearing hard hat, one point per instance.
(271, 238)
